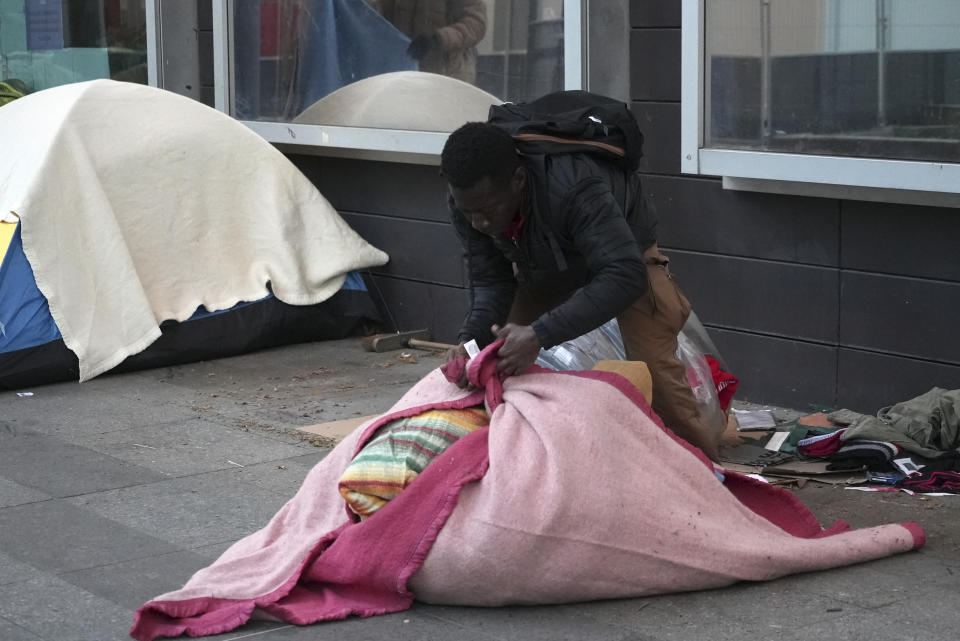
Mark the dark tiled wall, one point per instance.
(813, 302)
(401, 208)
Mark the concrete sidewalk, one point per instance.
(117, 490)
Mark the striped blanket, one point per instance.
(399, 451)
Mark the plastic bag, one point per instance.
(605, 343)
(583, 352)
(701, 383)
(694, 330)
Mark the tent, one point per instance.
(413, 100)
(142, 228)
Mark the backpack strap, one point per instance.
(571, 145)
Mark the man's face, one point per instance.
(490, 205)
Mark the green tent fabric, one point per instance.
(11, 89)
(928, 425)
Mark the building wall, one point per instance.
(401, 208)
(812, 301)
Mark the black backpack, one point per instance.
(573, 122)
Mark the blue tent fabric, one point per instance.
(344, 41)
(353, 282)
(25, 319)
(348, 41)
(32, 350)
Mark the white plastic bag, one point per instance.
(605, 343)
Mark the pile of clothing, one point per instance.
(914, 444)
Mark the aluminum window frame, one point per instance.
(917, 182)
(402, 145)
(152, 13)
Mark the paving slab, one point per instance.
(14, 571)
(72, 409)
(282, 477)
(935, 571)
(132, 583)
(533, 623)
(190, 511)
(864, 585)
(53, 609)
(15, 494)
(10, 631)
(403, 626)
(746, 611)
(735, 605)
(210, 553)
(191, 447)
(874, 626)
(293, 370)
(57, 536)
(58, 468)
(310, 406)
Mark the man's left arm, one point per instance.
(618, 276)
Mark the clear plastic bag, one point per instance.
(605, 343)
(694, 330)
(583, 352)
(701, 383)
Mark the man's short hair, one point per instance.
(477, 150)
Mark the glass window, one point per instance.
(287, 55)
(857, 78)
(44, 43)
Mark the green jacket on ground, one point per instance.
(928, 425)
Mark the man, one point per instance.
(558, 245)
(444, 33)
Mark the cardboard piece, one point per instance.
(816, 471)
(817, 420)
(332, 432)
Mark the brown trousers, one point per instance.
(649, 327)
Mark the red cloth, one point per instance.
(725, 382)
(513, 231)
(821, 446)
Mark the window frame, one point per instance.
(402, 145)
(152, 12)
(920, 182)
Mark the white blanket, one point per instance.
(139, 205)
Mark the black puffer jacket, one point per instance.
(576, 243)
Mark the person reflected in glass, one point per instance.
(443, 33)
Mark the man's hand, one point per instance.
(456, 352)
(519, 350)
(453, 354)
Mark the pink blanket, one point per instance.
(575, 492)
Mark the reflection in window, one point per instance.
(862, 78)
(44, 43)
(288, 54)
